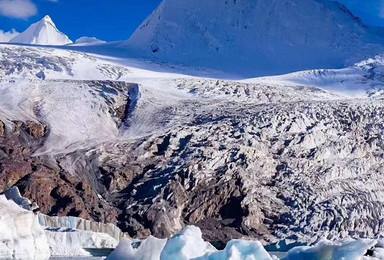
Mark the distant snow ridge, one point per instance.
(88, 41)
(43, 32)
(262, 37)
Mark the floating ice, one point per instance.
(327, 250)
(189, 245)
(149, 249)
(186, 245)
(239, 250)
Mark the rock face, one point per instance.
(2, 129)
(42, 179)
(35, 130)
(21, 236)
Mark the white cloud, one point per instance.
(17, 8)
(7, 36)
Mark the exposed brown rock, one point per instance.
(15, 161)
(56, 191)
(35, 130)
(60, 194)
(121, 111)
(2, 129)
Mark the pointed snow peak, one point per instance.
(43, 32)
(47, 18)
(47, 21)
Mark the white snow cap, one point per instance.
(43, 32)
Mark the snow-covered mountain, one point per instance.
(255, 37)
(43, 32)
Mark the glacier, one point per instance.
(175, 112)
(74, 242)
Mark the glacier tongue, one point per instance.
(72, 242)
(43, 32)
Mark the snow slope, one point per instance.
(253, 37)
(43, 32)
(361, 80)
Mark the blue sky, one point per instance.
(105, 19)
(117, 19)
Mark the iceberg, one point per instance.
(186, 245)
(149, 249)
(21, 235)
(239, 250)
